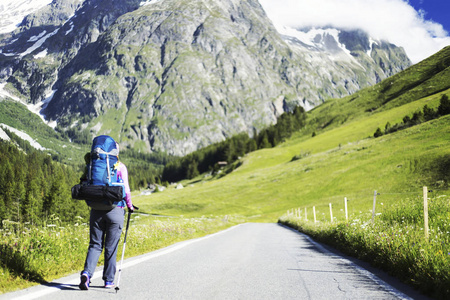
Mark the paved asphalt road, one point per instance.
(248, 261)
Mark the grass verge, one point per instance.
(395, 242)
(32, 255)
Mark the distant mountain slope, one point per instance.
(176, 76)
(362, 114)
(429, 77)
(378, 59)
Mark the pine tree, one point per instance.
(53, 198)
(227, 153)
(192, 170)
(300, 116)
(8, 189)
(407, 120)
(417, 118)
(387, 128)
(378, 133)
(251, 146)
(264, 143)
(444, 106)
(32, 203)
(428, 113)
(19, 193)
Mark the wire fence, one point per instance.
(339, 210)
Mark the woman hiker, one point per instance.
(105, 230)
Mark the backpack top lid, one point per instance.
(103, 156)
(106, 143)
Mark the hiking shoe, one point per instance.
(109, 284)
(84, 281)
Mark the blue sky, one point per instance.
(421, 27)
(434, 10)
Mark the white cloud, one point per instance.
(392, 20)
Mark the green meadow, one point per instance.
(343, 162)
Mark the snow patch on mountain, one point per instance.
(35, 38)
(71, 28)
(371, 42)
(143, 3)
(318, 38)
(8, 54)
(39, 108)
(319, 42)
(3, 135)
(39, 43)
(41, 54)
(13, 12)
(22, 135)
(34, 108)
(5, 94)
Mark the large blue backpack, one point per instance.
(103, 190)
(104, 155)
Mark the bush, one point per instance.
(418, 117)
(378, 133)
(444, 106)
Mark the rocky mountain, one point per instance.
(175, 76)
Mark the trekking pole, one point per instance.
(124, 243)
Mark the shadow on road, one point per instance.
(62, 286)
(74, 287)
(327, 250)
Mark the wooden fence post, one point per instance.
(425, 211)
(374, 205)
(331, 214)
(314, 212)
(346, 210)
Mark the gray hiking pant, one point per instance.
(105, 231)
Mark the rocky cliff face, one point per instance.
(175, 75)
(346, 61)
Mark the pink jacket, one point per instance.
(122, 172)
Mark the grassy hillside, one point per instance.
(424, 79)
(341, 160)
(16, 115)
(268, 183)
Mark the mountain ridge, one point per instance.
(176, 76)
